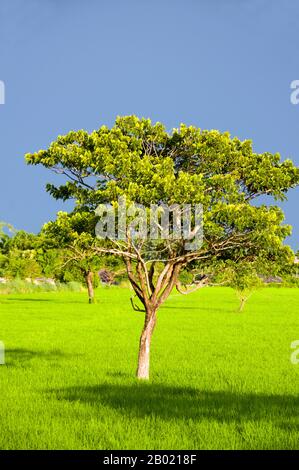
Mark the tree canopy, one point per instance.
(150, 166)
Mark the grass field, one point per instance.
(219, 379)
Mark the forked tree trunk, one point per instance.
(89, 283)
(145, 345)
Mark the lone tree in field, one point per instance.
(150, 166)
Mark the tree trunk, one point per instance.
(242, 304)
(89, 283)
(145, 344)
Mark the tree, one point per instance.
(73, 235)
(19, 254)
(5, 240)
(244, 279)
(142, 162)
(21, 267)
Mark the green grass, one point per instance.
(219, 379)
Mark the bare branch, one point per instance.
(200, 284)
(135, 307)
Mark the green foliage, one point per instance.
(244, 279)
(21, 267)
(72, 234)
(188, 165)
(18, 255)
(26, 255)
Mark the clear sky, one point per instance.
(68, 64)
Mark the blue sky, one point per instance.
(67, 64)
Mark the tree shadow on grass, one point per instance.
(180, 307)
(119, 374)
(170, 403)
(226, 307)
(55, 300)
(16, 299)
(21, 356)
(198, 308)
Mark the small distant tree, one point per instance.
(72, 233)
(244, 279)
(148, 165)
